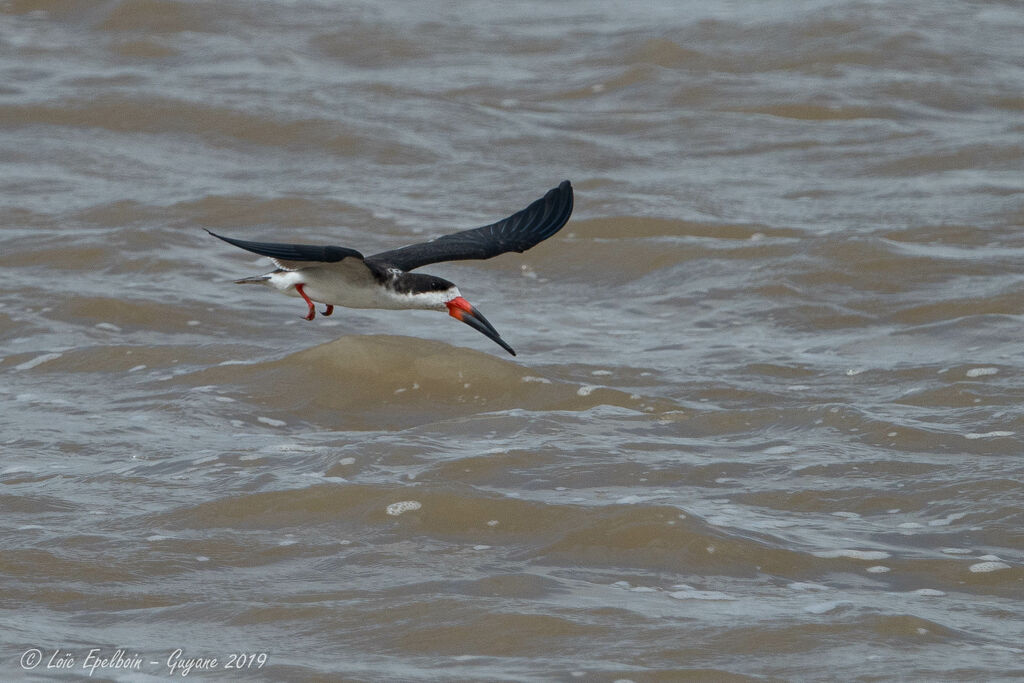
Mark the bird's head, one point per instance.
(437, 294)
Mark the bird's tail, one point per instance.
(254, 280)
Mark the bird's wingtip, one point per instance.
(220, 237)
(564, 190)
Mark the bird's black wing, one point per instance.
(520, 231)
(288, 256)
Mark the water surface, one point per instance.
(765, 421)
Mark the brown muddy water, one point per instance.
(765, 422)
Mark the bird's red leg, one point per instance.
(329, 309)
(312, 309)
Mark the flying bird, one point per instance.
(339, 276)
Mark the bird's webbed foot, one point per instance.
(309, 302)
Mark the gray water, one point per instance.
(765, 421)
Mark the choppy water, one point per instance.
(765, 421)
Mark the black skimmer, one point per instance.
(339, 276)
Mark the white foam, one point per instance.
(539, 380)
(987, 435)
(985, 567)
(293, 448)
(878, 569)
(852, 554)
(693, 594)
(947, 519)
(772, 523)
(779, 450)
(630, 500)
(586, 390)
(403, 506)
(109, 327)
(38, 360)
(929, 592)
(271, 421)
(807, 586)
(347, 461)
(957, 551)
(981, 372)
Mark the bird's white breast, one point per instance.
(331, 285)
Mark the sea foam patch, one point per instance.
(988, 435)
(688, 593)
(402, 507)
(985, 567)
(852, 554)
(37, 361)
